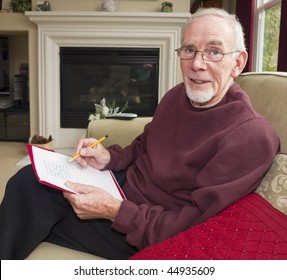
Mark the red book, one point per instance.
(54, 169)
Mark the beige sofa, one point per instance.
(268, 93)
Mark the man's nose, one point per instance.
(198, 63)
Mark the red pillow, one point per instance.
(251, 228)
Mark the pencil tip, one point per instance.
(107, 136)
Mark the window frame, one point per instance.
(258, 38)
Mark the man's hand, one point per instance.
(92, 202)
(97, 157)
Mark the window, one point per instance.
(267, 30)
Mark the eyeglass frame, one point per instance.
(202, 54)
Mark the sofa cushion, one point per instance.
(274, 185)
(251, 228)
(49, 251)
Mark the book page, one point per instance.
(55, 169)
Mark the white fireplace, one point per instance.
(98, 29)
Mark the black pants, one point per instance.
(31, 213)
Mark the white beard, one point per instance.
(199, 96)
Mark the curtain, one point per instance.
(245, 13)
(282, 54)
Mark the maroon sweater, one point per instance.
(190, 163)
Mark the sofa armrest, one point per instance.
(121, 132)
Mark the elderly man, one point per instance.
(205, 149)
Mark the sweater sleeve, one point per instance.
(243, 157)
(235, 170)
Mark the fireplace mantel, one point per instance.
(107, 17)
(98, 29)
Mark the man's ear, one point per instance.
(240, 63)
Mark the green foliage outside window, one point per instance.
(271, 38)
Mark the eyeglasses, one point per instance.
(213, 55)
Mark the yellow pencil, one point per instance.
(91, 146)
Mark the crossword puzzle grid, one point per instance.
(57, 170)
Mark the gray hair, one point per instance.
(231, 19)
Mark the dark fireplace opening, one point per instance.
(120, 75)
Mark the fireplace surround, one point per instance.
(99, 29)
